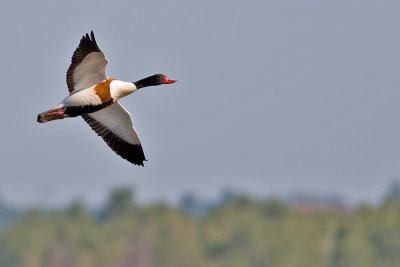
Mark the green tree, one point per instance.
(119, 204)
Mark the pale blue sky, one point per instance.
(272, 97)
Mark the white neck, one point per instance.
(119, 89)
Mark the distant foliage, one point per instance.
(237, 232)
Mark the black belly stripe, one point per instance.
(74, 111)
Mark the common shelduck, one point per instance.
(94, 96)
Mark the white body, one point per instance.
(88, 96)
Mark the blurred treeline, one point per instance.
(238, 232)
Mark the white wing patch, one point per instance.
(90, 71)
(88, 65)
(114, 125)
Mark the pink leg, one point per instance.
(50, 115)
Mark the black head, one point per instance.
(154, 80)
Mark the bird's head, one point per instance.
(154, 80)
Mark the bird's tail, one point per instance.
(56, 113)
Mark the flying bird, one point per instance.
(94, 96)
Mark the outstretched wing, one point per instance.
(88, 65)
(114, 125)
